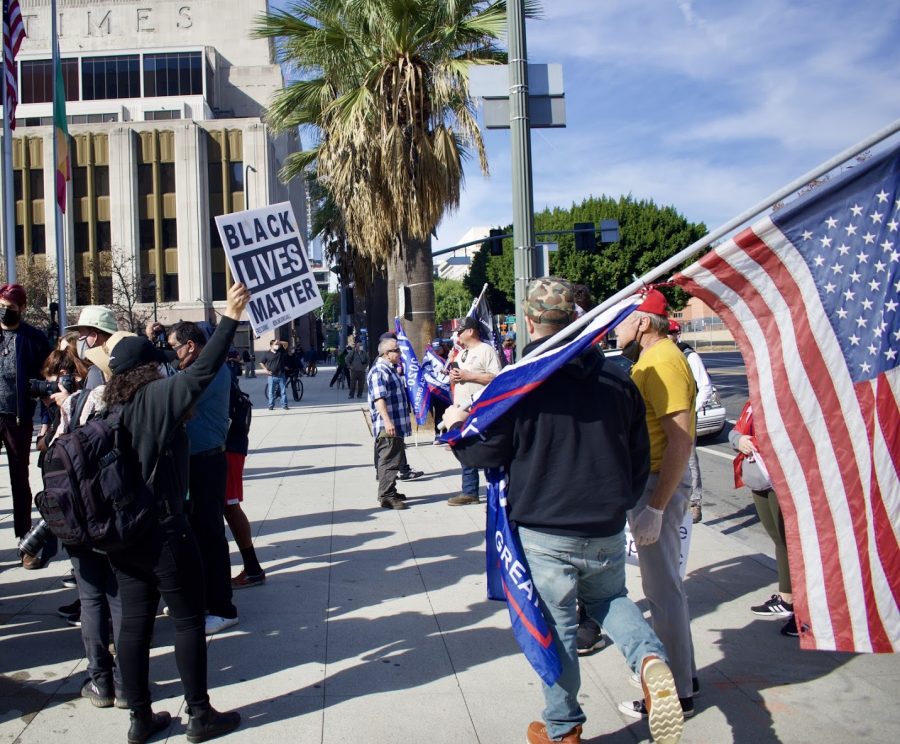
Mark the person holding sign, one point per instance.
(275, 361)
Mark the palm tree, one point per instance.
(384, 83)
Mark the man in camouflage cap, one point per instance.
(577, 456)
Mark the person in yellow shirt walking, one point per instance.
(663, 377)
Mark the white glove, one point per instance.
(645, 525)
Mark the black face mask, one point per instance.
(631, 351)
(10, 316)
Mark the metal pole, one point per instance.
(523, 207)
(247, 169)
(57, 214)
(9, 203)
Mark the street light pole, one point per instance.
(523, 206)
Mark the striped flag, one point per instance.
(13, 34)
(61, 133)
(811, 295)
(413, 375)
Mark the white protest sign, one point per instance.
(266, 252)
(687, 526)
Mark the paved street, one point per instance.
(373, 626)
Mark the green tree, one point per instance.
(331, 307)
(648, 235)
(451, 300)
(497, 273)
(385, 84)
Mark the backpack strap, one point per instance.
(81, 400)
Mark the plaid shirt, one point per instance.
(384, 382)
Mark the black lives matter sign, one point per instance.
(266, 253)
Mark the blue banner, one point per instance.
(416, 389)
(434, 369)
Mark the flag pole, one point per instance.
(57, 213)
(695, 247)
(9, 199)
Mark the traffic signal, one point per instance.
(495, 241)
(585, 237)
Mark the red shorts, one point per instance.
(234, 481)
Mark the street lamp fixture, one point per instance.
(247, 169)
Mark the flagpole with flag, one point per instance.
(13, 34)
(62, 164)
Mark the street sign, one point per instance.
(546, 95)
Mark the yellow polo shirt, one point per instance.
(664, 378)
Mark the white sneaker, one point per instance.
(216, 624)
(166, 610)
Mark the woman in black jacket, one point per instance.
(167, 560)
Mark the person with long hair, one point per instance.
(166, 560)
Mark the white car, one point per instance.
(710, 418)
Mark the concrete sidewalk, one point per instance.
(373, 625)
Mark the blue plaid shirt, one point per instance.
(384, 382)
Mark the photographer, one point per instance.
(23, 349)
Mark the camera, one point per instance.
(35, 539)
(46, 388)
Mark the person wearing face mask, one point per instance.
(23, 349)
(95, 325)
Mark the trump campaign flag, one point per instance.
(416, 389)
(811, 296)
(434, 371)
(508, 576)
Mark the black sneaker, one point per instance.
(589, 637)
(100, 698)
(775, 607)
(393, 502)
(790, 628)
(70, 611)
(410, 475)
(68, 581)
(209, 723)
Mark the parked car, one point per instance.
(710, 418)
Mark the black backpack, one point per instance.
(240, 411)
(94, 492)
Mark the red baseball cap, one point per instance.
(654, 303)
(674, 327)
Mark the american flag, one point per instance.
(13, 33)
(811, 296)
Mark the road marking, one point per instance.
(717, 453)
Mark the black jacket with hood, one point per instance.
(155, 417)
(577, 450)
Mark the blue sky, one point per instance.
(705, 105)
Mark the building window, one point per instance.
(161, 115)
(101, 180)
(37, 80)
(170, 233)
(17, 185)
(167, 178)
(145, 179)
(79, 182)
(82, 241)
(176, 74)
(91, 118)
(237, 175)
(146, 235)
(105, 78)
(38, 239)
(20, 240)
(214, 177)
(36, 181)
(104, 236)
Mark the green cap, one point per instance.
(550, 300)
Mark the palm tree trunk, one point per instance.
(412, 267)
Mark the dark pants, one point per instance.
(16, 438)
(770, 515)
(206, 489)
(357, 382)
(165, 562)
(389, 453)
(470, 481)
(99, 595)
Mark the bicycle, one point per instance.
(296, 385)
(312, 369)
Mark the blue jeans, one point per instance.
(274, 386)
(470, 481)
(592, 569)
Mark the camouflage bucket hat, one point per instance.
(550, 300)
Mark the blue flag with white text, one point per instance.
(416, 389)
(434, 370)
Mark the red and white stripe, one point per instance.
(832, 446)
(13, 35)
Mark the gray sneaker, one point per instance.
(462, 499)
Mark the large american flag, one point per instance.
(811, 296)
(13, 34)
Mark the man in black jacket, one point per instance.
(577, 456)
(274, 362)
(23, 349)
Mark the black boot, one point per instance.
(145, 723)
(207, 723)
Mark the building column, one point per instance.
(191, 213)
(124, 215)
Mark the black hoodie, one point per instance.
(577, 450)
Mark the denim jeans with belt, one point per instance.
(593, 569)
